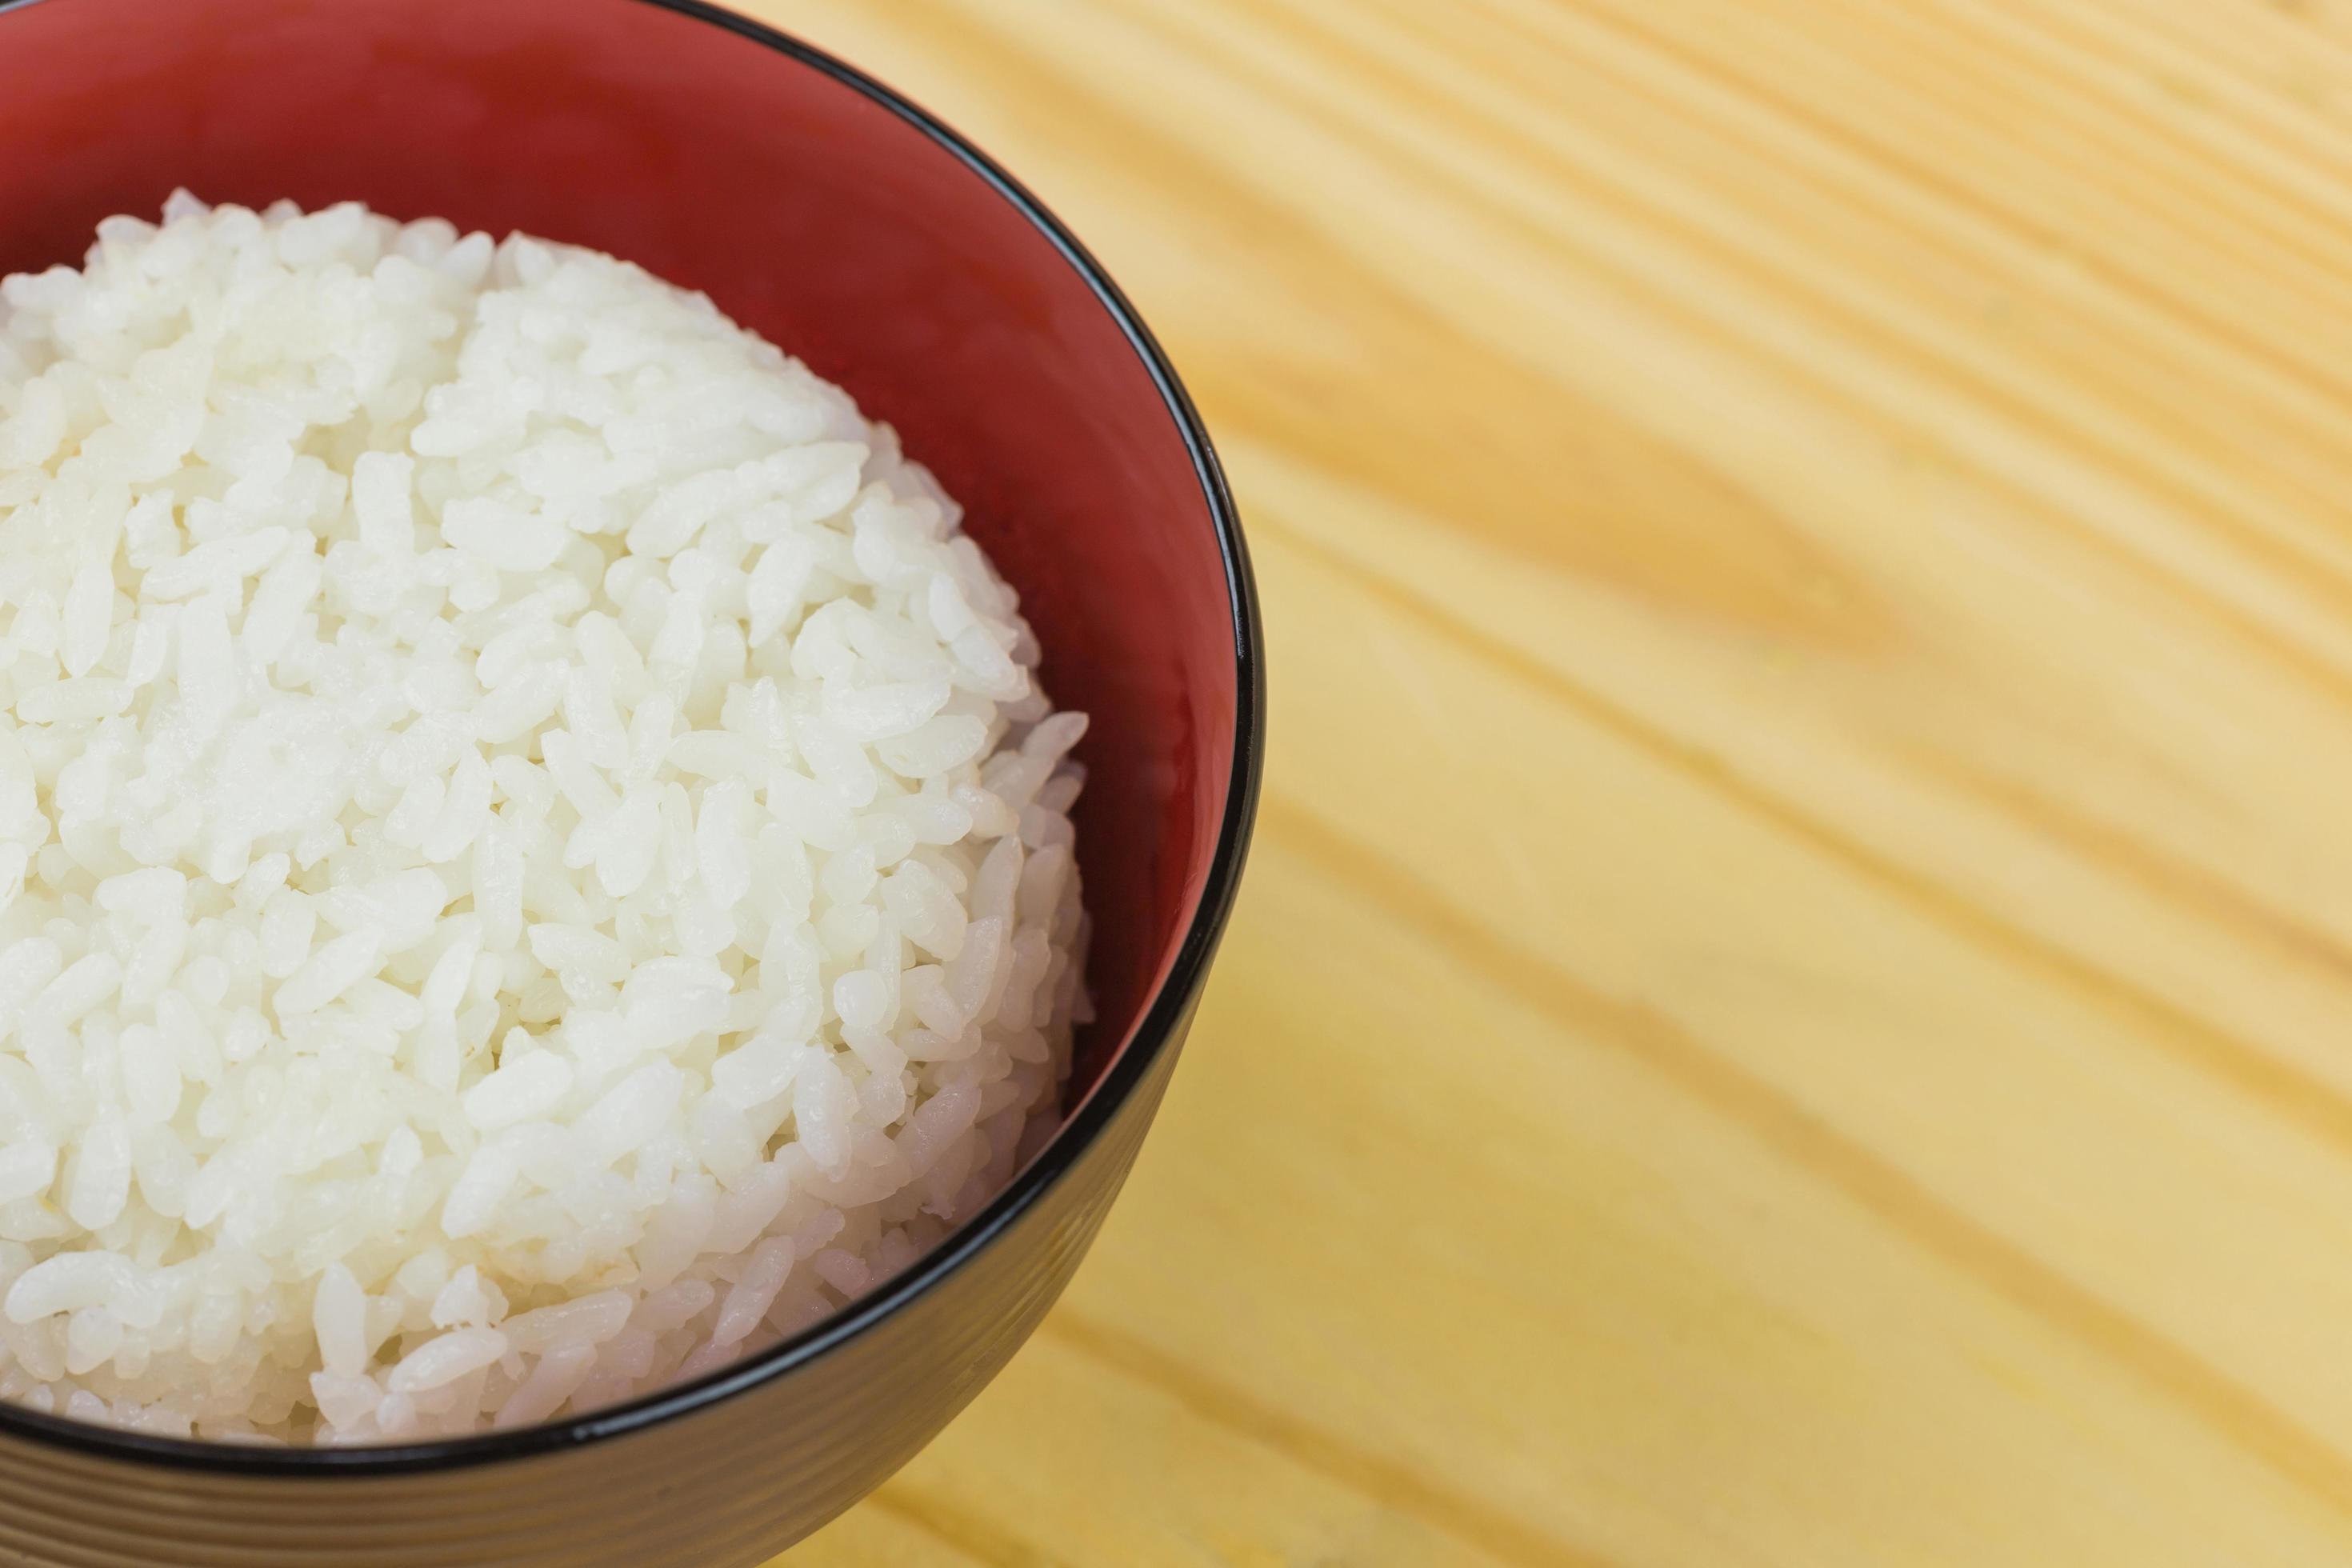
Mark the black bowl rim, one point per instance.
(1153, 1035)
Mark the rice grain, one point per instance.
(532, 857)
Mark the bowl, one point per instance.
(836, 218)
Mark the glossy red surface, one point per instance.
(808, 211)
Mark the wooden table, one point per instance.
(1791, 1004)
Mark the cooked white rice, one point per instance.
(531, 860)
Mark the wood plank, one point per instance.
(1792, 1007)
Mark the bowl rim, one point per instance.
(1153, 1034)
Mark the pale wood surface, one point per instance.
(1791, 1006)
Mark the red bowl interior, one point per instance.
(807, 210)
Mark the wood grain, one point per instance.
(1792, 1007)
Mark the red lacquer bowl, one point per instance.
(841, 222)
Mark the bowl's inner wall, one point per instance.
(808, 212)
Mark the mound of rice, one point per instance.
(533, 861)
